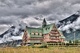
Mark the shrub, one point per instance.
(44, 45)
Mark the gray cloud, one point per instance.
(9, 19)
(12, 7)
(12, 11)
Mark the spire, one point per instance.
(44, 23)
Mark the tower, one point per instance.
(44, 23)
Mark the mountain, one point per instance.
(70, 36)
(69, 19)
(13, 33)
(11, 43)
(69, 26)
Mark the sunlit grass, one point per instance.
(40, 50)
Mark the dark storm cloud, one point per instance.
(34, 24)
(73, 2)
(11, 7)
(50, 9)
(32, 12)
(9, 20)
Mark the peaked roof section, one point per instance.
(42, 30)
(38, 32)
(47, 28)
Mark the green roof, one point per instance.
(37, 32)
(32, 32)
(47, 28)
(62, 37)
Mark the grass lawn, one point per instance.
(40, 50)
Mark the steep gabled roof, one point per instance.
(47, 28)
(43, 30)
(32, 32)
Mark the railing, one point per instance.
(35, 38)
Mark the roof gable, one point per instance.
(47, 28)
(38, 32)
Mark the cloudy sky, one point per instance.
(32, 12)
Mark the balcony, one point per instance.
(53, 32)
(36, 38)
(54, 35)
(54, 38)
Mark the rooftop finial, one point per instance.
(44, 23)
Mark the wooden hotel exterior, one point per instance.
(47, 33)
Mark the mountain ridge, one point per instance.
(19, 30)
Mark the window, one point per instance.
(52, 37)
(49, 28)
(46, 28)
(36, 33)
(40, 33)
(32, 33)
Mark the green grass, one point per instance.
(40, 50)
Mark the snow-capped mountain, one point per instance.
(68, 20)
(69, 26)
(13, 33)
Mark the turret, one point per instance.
(44, 23)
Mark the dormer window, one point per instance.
(46, 28)
(32, 33)
(49, 28)
(40, 33)
(36, 33)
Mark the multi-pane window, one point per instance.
(52, 37)
(32, 33)
(47, 28)
(36, 33)
(40, 33)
